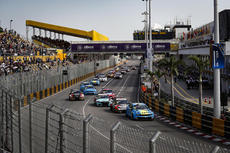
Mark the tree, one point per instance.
(159, 74)
(201, 65)
(171, 64)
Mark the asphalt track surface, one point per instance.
(126, 87)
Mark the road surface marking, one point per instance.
(122, 87)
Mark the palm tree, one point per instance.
(201, 65)
(159, 74)
(171, 65)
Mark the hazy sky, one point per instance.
(116, 19)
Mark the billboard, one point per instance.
(118, 47)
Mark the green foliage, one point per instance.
(170, 63)
(200, 63)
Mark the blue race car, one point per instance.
(95, 82)
(83, 84)
(102, 100)
(89, 90)
(139, 111)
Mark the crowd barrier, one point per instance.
(199, 121)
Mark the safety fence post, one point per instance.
(86, 133)
(11, 124)
(113, 137)
(19, 125)
(47, 128)
(152, 142)
(30, 124)
(2, 122)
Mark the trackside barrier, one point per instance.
(57, 88)
(203, 122)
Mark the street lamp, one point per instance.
(150, 41)
(10, 24)
(146, 36)
(149, 48)
(216, 71)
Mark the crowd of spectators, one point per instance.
(55, 43)
(9, 66)
(12, 44)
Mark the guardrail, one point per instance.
(185, 115)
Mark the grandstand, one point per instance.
(50, 42)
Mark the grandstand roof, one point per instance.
(92, 35)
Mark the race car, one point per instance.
(83, 84)
(95, 82)
(133, 68)
(118, 75)
(76, 95)
(119, 105)
(108, 92)
(102, 77)
(117, 69)
(89, 90)
(110, 74)
(102, 100)
(139, 111)
(123, 71)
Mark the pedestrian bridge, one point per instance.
(111, 47)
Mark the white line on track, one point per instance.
(109, 139)
(83, 109)
(122, 86)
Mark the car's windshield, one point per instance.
(85, 83)
(104, 96)
(90, 87)
(102, 76)
(122, 102)
(107, 91)
(76, 92)
(95, 79)
(140, 107)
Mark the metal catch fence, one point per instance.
(25, 83)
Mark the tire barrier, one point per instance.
(192, 118)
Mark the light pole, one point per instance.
(149, 48)
(216, 71)
(10, 24)
(150, 56)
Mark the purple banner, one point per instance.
(118, 47)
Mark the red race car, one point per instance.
(108, 92)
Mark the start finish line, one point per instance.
(118, 47)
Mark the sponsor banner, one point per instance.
(218, 56)
(112, 47)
